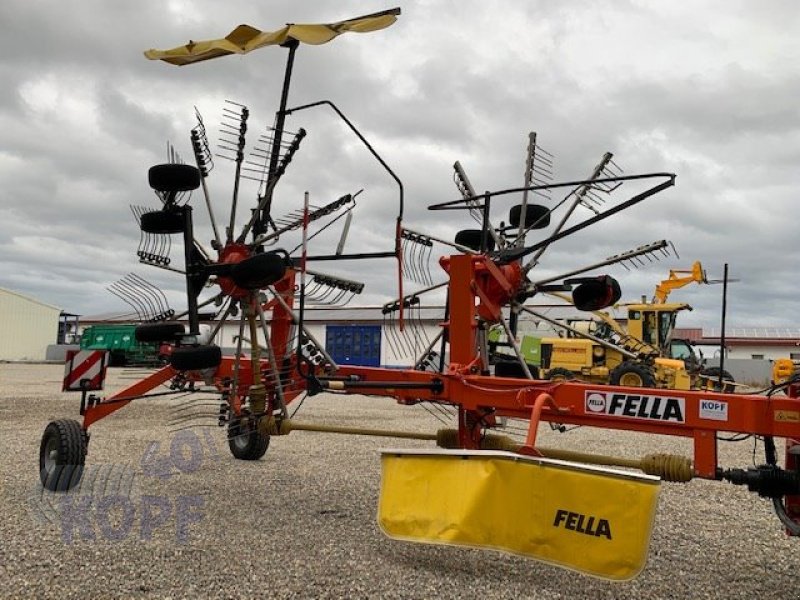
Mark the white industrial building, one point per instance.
(28, 326)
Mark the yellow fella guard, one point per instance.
(593, 520)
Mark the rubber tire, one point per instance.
(195, 358)
(628, 368)
(259, 271)
(713, 385)
(244, 442)
(597, 294)
(471, 238)
(158, 332)
(162, 222)
(71, 443)
(534, 213)
(117, 358)
(562, 374)
(512, 368)
(172, 177)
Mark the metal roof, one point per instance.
(28, 298)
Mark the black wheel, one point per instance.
(259, 271)
(710, 381)
(158, 332)
(246, 442)
(512, 368)
(162, 221)
(471, 238)
(62, 455)
(117, 358)
(632, 374)
(536, 216)
(173, 178)
(596, 294)
(195, 358)
(562, 374)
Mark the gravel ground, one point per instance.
(301, 522)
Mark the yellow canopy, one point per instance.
(244, 38)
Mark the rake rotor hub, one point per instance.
(232, 254)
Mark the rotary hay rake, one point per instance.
(574, 509)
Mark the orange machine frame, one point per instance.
(478, 289)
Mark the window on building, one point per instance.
(757, 356)
(794, 355)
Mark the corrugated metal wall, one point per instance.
(26, 327)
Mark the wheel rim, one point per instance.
(242, 437)
(631, 379)
(50, 455)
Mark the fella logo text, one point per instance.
(586, 524)
(636, 406)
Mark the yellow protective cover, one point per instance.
(593, 520)
(245, 38)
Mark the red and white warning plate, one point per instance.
(85, 370)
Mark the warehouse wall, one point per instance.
(746, 370)
(27, 327)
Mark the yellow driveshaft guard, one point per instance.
(593, 520)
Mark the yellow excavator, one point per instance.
(641, 354)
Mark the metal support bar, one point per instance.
(306, 332)
(191, 297)
(272, 362)
(513, 343)
(260, 226)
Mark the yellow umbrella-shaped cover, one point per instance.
(244, 38)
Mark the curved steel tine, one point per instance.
(338, 297)
(422, 325)
(408, 253)
(415, 261)
(138, 307)
(134, 292)
(386, 327)
(158, 294)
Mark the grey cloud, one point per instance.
(450, 81)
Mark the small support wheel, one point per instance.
(536, 216)
(245, 441)
(172, 177)
(596, 293)
(513, 368)
(195, 358)
(471, 238)
(259, 271)
(162, 222)
(159, 332)
(62, 455)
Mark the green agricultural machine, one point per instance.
(120, 342)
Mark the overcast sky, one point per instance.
(705, 90)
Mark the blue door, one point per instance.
(354, 344)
